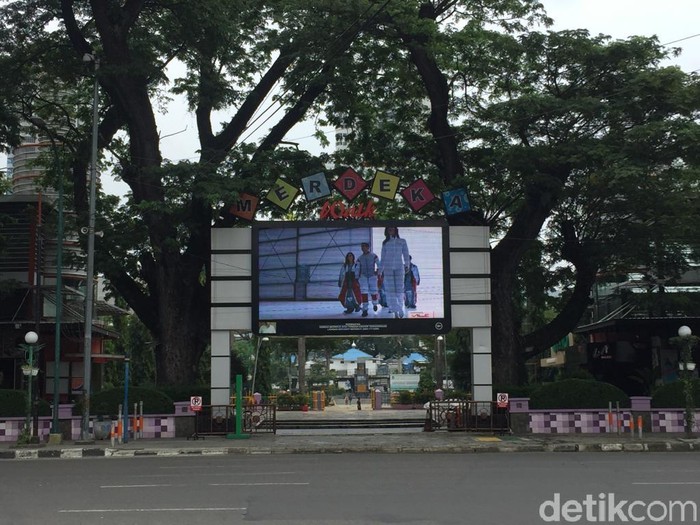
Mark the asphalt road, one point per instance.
(479, 489)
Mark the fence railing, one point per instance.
(220, 420)
(469, 416)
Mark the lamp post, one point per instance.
(255, 365)
(90, 266)
(40, 123)
(687, 366)
(438, 362)
(30, 371)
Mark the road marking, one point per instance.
(252, 484)
(232, 473)
(178, 509)
(666, 483)
(134, 486)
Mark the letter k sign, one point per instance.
(418, 195)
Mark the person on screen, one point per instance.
(267, 327)
(393, 266)
(367, 275)
(411, 282)
(350, 296)
(382, 292)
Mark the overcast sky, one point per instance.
(674, 22)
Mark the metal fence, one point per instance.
(469, 416)
(220, 420)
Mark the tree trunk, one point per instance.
(183, 326)
(505, 343)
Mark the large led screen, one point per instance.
(350, 278)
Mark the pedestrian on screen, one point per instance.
(394, 264)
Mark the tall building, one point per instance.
(28, 277)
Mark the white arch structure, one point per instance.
(232, 296)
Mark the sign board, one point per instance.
(196, 403)
(502, 400)
(399, 382)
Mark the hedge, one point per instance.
(13, 403)
(106, 402)
(672, 395)
(514, 390)
(577, 393)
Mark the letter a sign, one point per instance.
(455, 201)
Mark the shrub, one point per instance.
(405, 397)
(106, 402)
(13, 403)
(285, 400)
(515, 390)
(423, 396)
(459, 394)
(577, 393)
(301, 399)
(672, 395)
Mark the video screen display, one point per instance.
(345, 278)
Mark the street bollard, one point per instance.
(112, 433)
(639, 426)
(377, 399)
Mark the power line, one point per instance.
(681, 39)
(332, 53)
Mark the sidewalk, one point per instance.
(391, 440)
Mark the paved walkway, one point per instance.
(399, 440)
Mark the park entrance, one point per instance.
(238, 291)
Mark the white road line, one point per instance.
(134, 486)
(177, 509)
(232, 473)
(252, 484)
(666, 483)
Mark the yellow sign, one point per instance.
(282, 194)
(385, 185)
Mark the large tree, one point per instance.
(551, 133)
(579, 151)
(243, 63)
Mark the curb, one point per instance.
(95, 452)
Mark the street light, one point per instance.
(438, 362)
(41, 124)
(687, 366)
(90, 267)
(30, 371)
(255, 365)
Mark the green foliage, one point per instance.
(459, 357)
(577, 393)
(25, 436)
(107, 402)
(136, 342)
(515, 390)
(319, 377)
(287, 401)
(423, 396)
(406, 397)
(672, 395)
(13, 403)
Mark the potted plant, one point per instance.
(303, 402)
